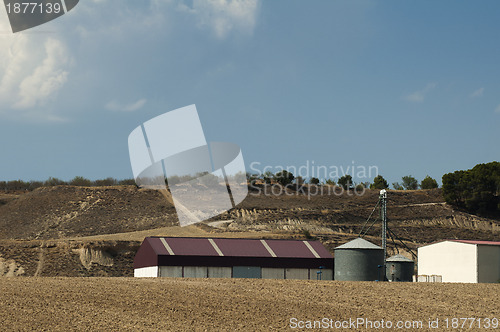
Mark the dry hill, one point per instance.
(80, 231)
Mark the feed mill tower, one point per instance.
(361, 260)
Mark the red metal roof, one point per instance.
(157, 246)
(489, 243)
(290, 249)
(242, 248)
(177, 251)
(193, 247)
(181, 246)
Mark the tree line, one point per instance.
(283, 177)
(476, 190)
(50, 182)
(379, 182)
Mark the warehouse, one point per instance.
(460, 261)
(232, 258)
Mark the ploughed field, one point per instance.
(169, 304)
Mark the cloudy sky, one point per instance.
(409, 87)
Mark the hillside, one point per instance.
(68, 211)
(95, 231)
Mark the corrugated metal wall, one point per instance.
(219, 272)
(247, 272)
(171, 271)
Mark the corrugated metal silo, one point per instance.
(359, 260)
(399, 268)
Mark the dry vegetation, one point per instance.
(94, 232)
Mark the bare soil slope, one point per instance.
(128, 304)
(67, 211)
(72, 212)
(79, 231)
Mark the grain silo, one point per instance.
(359, 260)
(399, 268)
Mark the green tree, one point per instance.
(314, 181)
(477, 190)
(409, 182)
(80, 181)
(251, 178)
(284, 177)
(54, 182)
(268, 177)
(346, 182)
(330, 182)
(360, 187)
(208, 179)
(35, 184)
(428, 183)
(172, 180)
(127, 182)
(379, 183)
(397, 186)
(106, 182)
(17, 185)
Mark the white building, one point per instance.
(461, 261)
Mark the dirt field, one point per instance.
(128, 304)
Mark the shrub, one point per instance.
(379, 183)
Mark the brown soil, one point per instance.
(128, 304)
(94, 232)
(79, 231)
(66, 211)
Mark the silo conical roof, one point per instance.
(358, 243)
(398, 258)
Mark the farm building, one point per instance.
(232, 258)
(461, 261)
(359, 260)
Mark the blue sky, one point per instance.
(409, 87)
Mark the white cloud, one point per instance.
(115, 106)
(478, 93)
(46, 79)
(419, 96)
(224, 16)
(497, 110)
(36, 66)
(33, 69)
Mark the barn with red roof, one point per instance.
(232, 258)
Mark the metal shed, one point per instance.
(359, 260)
(460, 261)
(232, 258)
